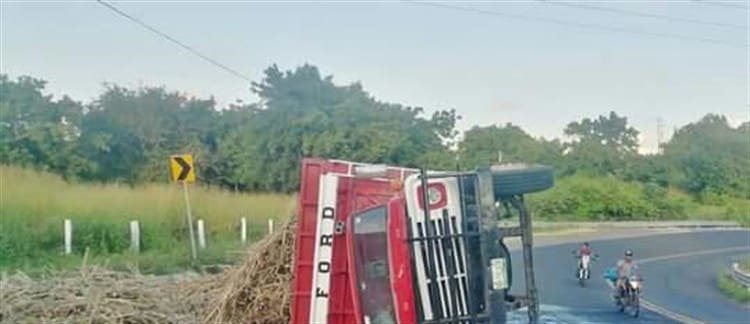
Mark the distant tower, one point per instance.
(660, 135)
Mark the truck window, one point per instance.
(371, 263)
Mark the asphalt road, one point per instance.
(679, 272)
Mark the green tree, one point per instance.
(481, 146)
(302, 113)
(131, 133)
(711, 157)
(36, 130)
(600, 146)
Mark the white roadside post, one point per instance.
(201, 234)
(243, 230)
(270, 226)
(68, 233)
(135, 236)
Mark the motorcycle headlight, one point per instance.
(635, 284)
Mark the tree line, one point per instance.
(126, 135)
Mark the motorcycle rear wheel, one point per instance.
(635, 305)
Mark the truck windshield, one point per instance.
(371, 263)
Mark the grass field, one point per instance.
(33, 206)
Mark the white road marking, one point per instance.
(668, 313)
(694, 253)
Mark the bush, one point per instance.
(738, 210)
(732, 289)
(606, 198)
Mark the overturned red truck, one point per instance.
(389, 245)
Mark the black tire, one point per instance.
(582, 282)
(636, 305)
(518, 179)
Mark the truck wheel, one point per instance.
(517, 179)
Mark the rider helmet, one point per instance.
(629, 253)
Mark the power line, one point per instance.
(723, 4)
(577, 24)
(644, 14)
(175, 41)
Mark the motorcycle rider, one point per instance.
(626, 268)
(584, 256)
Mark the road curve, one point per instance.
(679, 271)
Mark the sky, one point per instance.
(536, 64)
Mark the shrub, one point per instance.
(606, 198)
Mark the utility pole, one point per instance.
(660, 135)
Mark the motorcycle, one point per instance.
(629, 296)
(583, 272)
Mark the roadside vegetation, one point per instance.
(745, 265)
(103, 163)
(34, 205)
(732, 289)
(586, 198)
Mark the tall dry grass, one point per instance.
(34, 204)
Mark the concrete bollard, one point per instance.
(243, 230)
(135, 236)
(68, 236)
(201, 234)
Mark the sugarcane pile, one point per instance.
(258, 291)
(98, 295)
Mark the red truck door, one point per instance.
(330, 192)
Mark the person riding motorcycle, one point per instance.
(584, 255)
(626, 268)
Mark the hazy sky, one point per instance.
(493, 68)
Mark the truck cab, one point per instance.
(389, 245)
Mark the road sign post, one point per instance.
(181, 170)
(190, 222)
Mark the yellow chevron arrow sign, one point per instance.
(181, 168)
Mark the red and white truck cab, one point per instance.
(389, 245)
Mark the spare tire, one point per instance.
(517, 179)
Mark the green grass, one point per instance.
(33, 206)
(745, 265)
(732, 289)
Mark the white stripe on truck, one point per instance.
(421, 253)
(321, 281)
